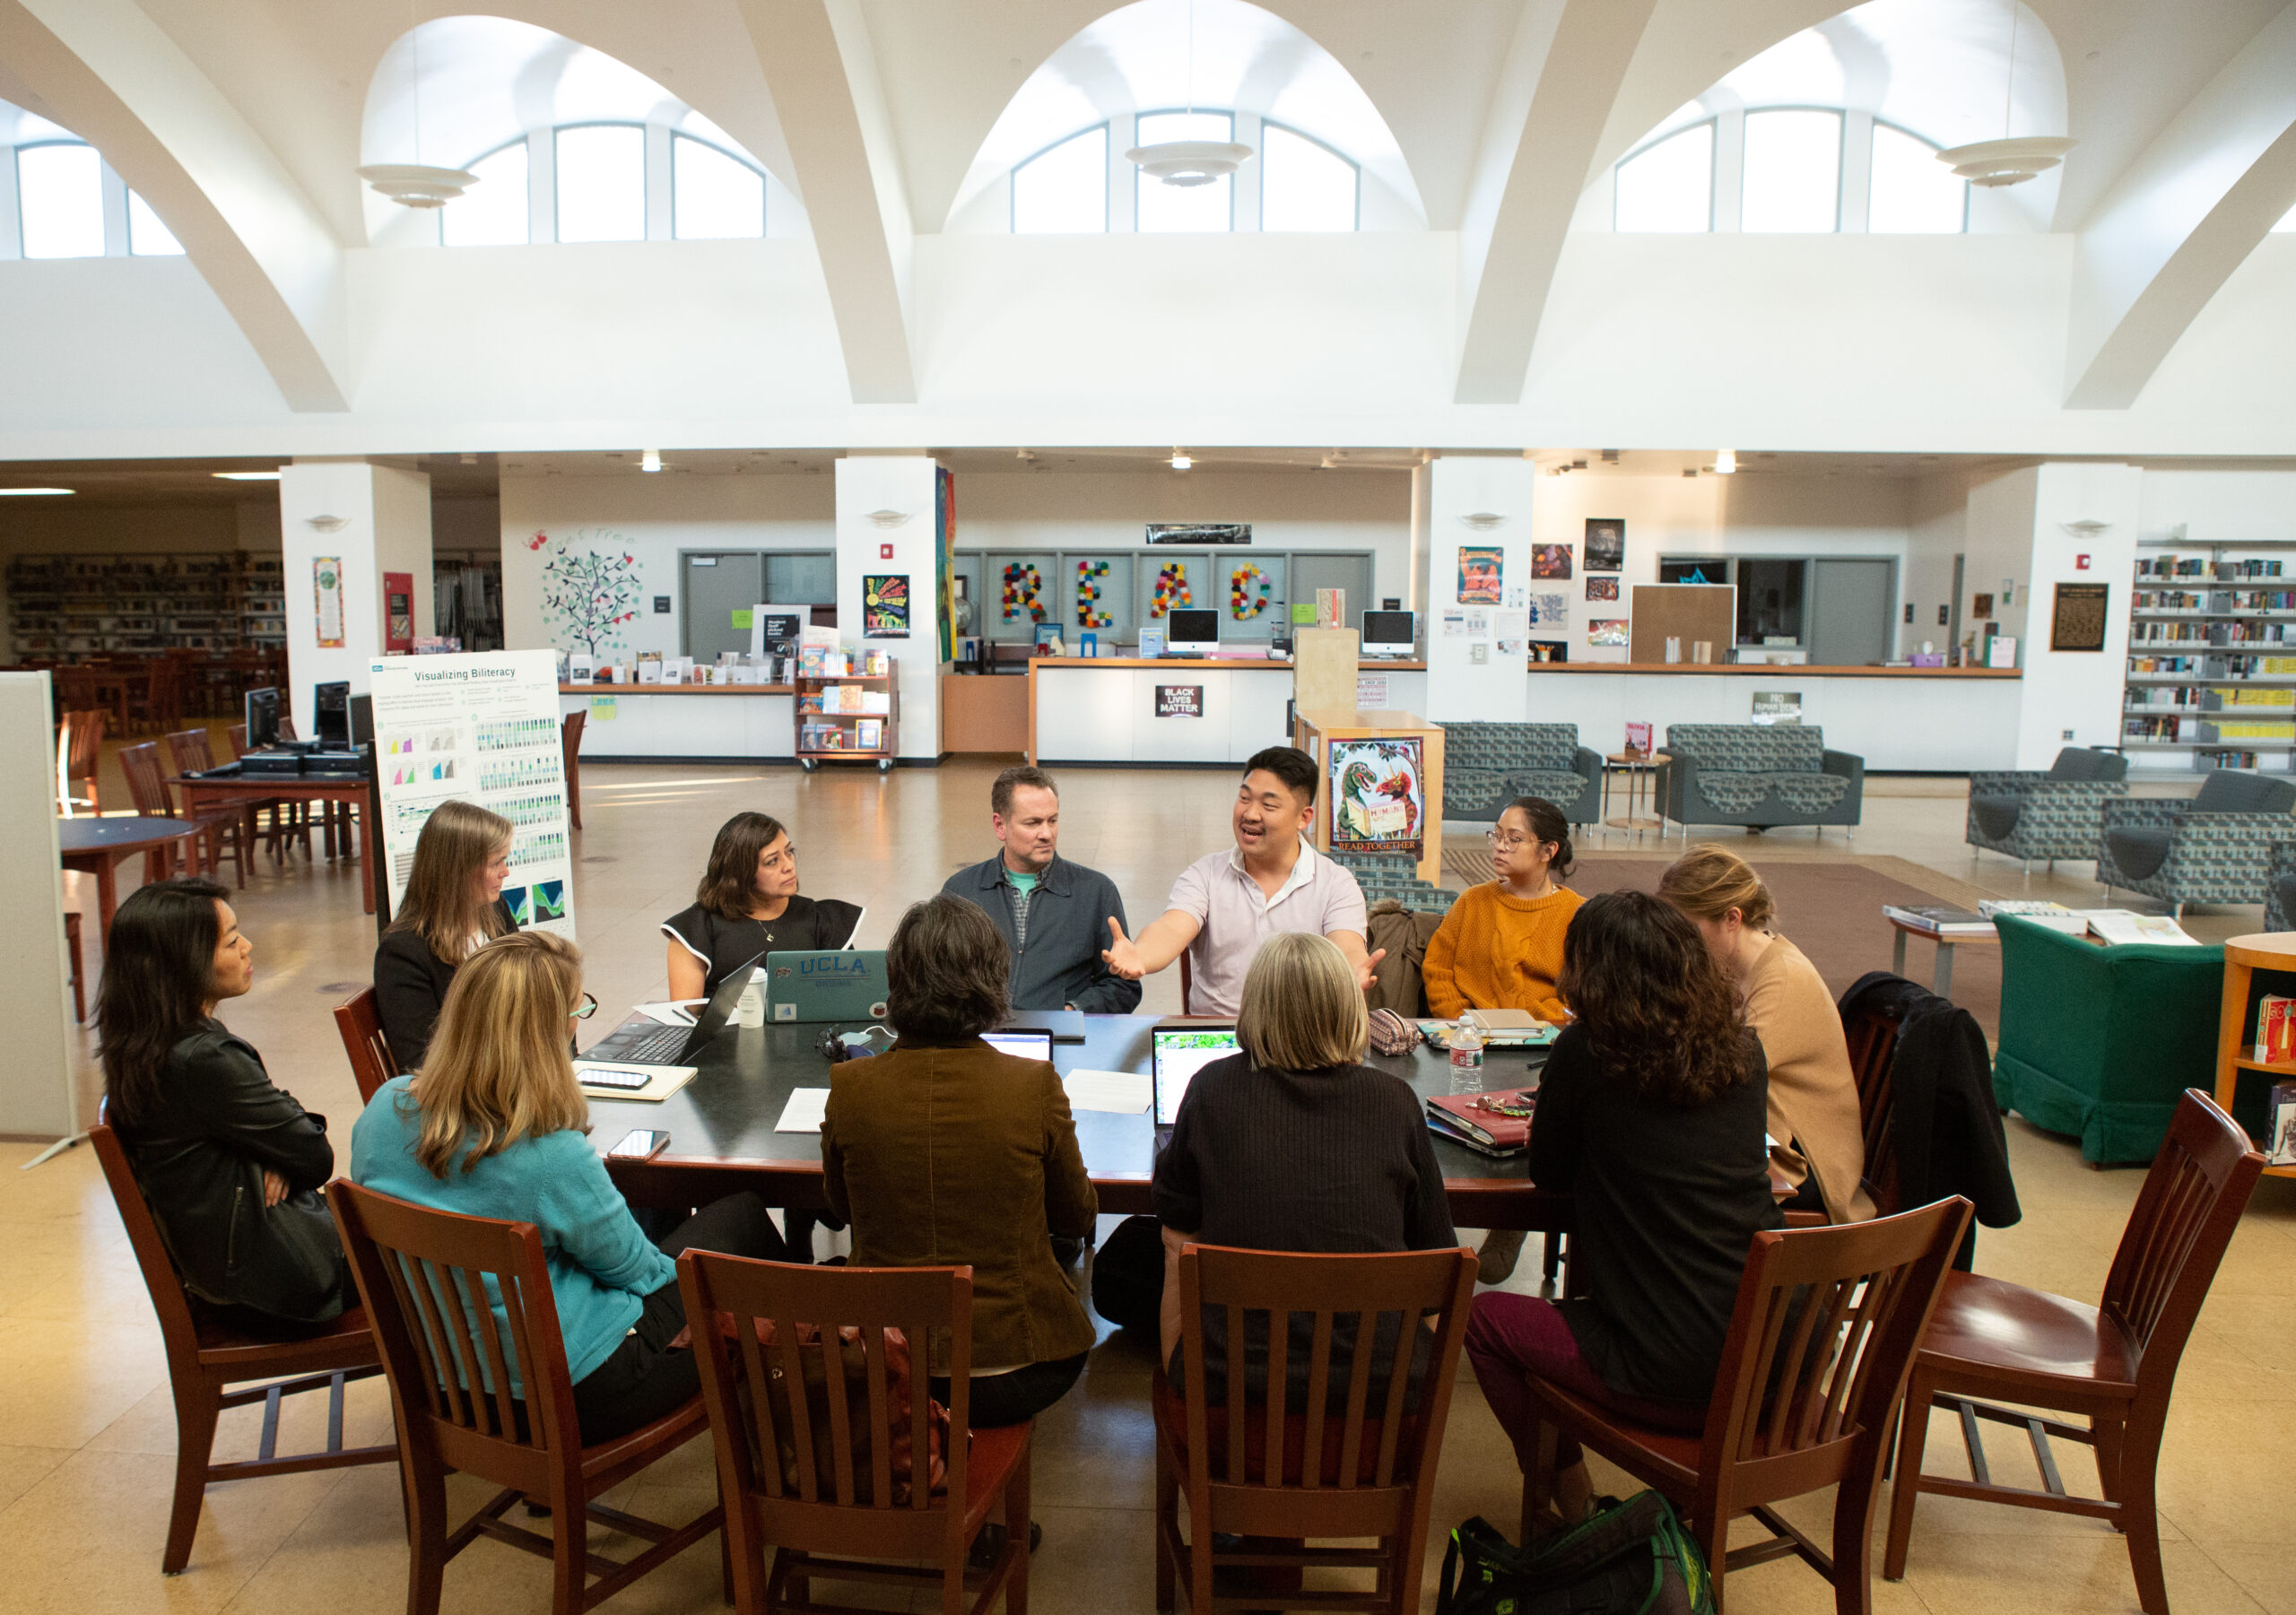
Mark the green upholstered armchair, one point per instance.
(2100, 1042)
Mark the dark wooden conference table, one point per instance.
(722, 1137)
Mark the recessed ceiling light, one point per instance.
(1181, 460)
(651, 460)
(247, 476)
(1725, 463)
(34, 494)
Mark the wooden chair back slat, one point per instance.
(361, 1025)
(1865, 1291)
(2179, 1230)
(801, 1413)
(1237, 1415)
(880, 1457)
(1318, 1387)
(425, 1273)
(147, 786)
(1398, 1393)
(1359, 1398)
(920, 1403)
(766, 1436)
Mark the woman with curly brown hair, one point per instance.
(1650, 1113)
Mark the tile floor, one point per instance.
(86, 1425)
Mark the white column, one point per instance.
(1477, 502)
(35, 991)
(2074, 698)
(369, 519)
(887, 512)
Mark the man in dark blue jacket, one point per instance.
(1055, 913)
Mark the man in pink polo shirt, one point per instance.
(1224, 905)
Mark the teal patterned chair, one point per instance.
(1761, 776)
(1384, 876)
(2214, 848)
(2280, 887)
(1487, 765)
(2029, 813)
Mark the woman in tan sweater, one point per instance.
(1818, 1143)
(1501, 946)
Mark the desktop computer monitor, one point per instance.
(1390, 633)
(262, 713)
(331, 714)
(1192, 633)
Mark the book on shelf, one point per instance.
(869, 734)
(2116, 925)
(2057, 916)
(2275, 1030)
(2279, 1133)
(1938, 919)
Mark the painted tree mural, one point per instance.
(588, 593)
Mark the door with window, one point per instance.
(721, 588)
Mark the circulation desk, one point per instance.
(722, 1137)
(683, 723)
(1132, 709)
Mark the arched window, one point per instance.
(1913, 194)
(1064, 189)
(714, 196)
(1668, 187)
(601, 182)
(147, 236)
(1175, 209)
(60, 200)
(493, 211)
(1303, 184)
(1793, 172)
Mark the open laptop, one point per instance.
(1177, 1054)
(843, 984)
(639, 1041)
(1028, 1043)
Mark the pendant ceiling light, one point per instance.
(2013, 159)
(1190, 162)
(417, 184)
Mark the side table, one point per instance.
(1639, 769)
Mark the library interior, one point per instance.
(1688, 606)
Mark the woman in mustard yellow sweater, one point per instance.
(1501, 946)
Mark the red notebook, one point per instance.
(1502, 1120)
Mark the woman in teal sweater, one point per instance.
(495, 1125)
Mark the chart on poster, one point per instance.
(484, 727)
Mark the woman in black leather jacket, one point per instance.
(230, 1165)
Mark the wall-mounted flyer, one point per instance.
(484, 727)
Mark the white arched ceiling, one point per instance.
(103, 70)
(452, 89)
(1244, 58)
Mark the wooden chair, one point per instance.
(159, 702)
(222, 833)
(81, 746)
(1873, 1039)
(569, 735)
(1279, 1477)
(452, 1390)
(371, 1060)
(815, 1529)
(205, 1359)
(2116, 1363)
(1845, 1356)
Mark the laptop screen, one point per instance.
(1024, 1042)
(1180, 1052)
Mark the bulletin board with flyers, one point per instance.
(484, 727)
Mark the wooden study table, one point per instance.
(96, 847)
(240, 792)
(722, 1137)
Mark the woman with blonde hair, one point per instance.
(453, 906)
(1820, 1148)
(1296, 1145)
(495, 1125)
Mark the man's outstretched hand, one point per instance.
(1363, 972)
(1122, 956)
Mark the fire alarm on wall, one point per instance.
(2079, 563)
(885, 552)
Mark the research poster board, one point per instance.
(483, 727)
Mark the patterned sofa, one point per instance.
(2030, 814)
(1758, 775)
(2216, 848)
(1383, 875)
(1486, 766)
(2280, 887)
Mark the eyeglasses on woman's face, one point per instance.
(586, 1007)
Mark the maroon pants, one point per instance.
(1511, 1337)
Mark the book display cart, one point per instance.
(2211, 658)
(71, 605)
(848, 716)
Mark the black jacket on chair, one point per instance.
(411, 985)
(1947, 1131)
(199, 1155)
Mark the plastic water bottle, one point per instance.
(750, 1008)
(1466, 1055)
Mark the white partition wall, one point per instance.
(367, 519)
(886, 513)
(1479, 502)
(36, 1078)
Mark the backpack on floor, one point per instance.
(1629, 1559)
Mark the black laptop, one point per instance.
(640, 1041)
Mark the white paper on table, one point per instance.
(807, 1109)
(672, 1011)
(1122, 1092)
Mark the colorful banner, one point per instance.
(327, 586)
(1379, 796)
